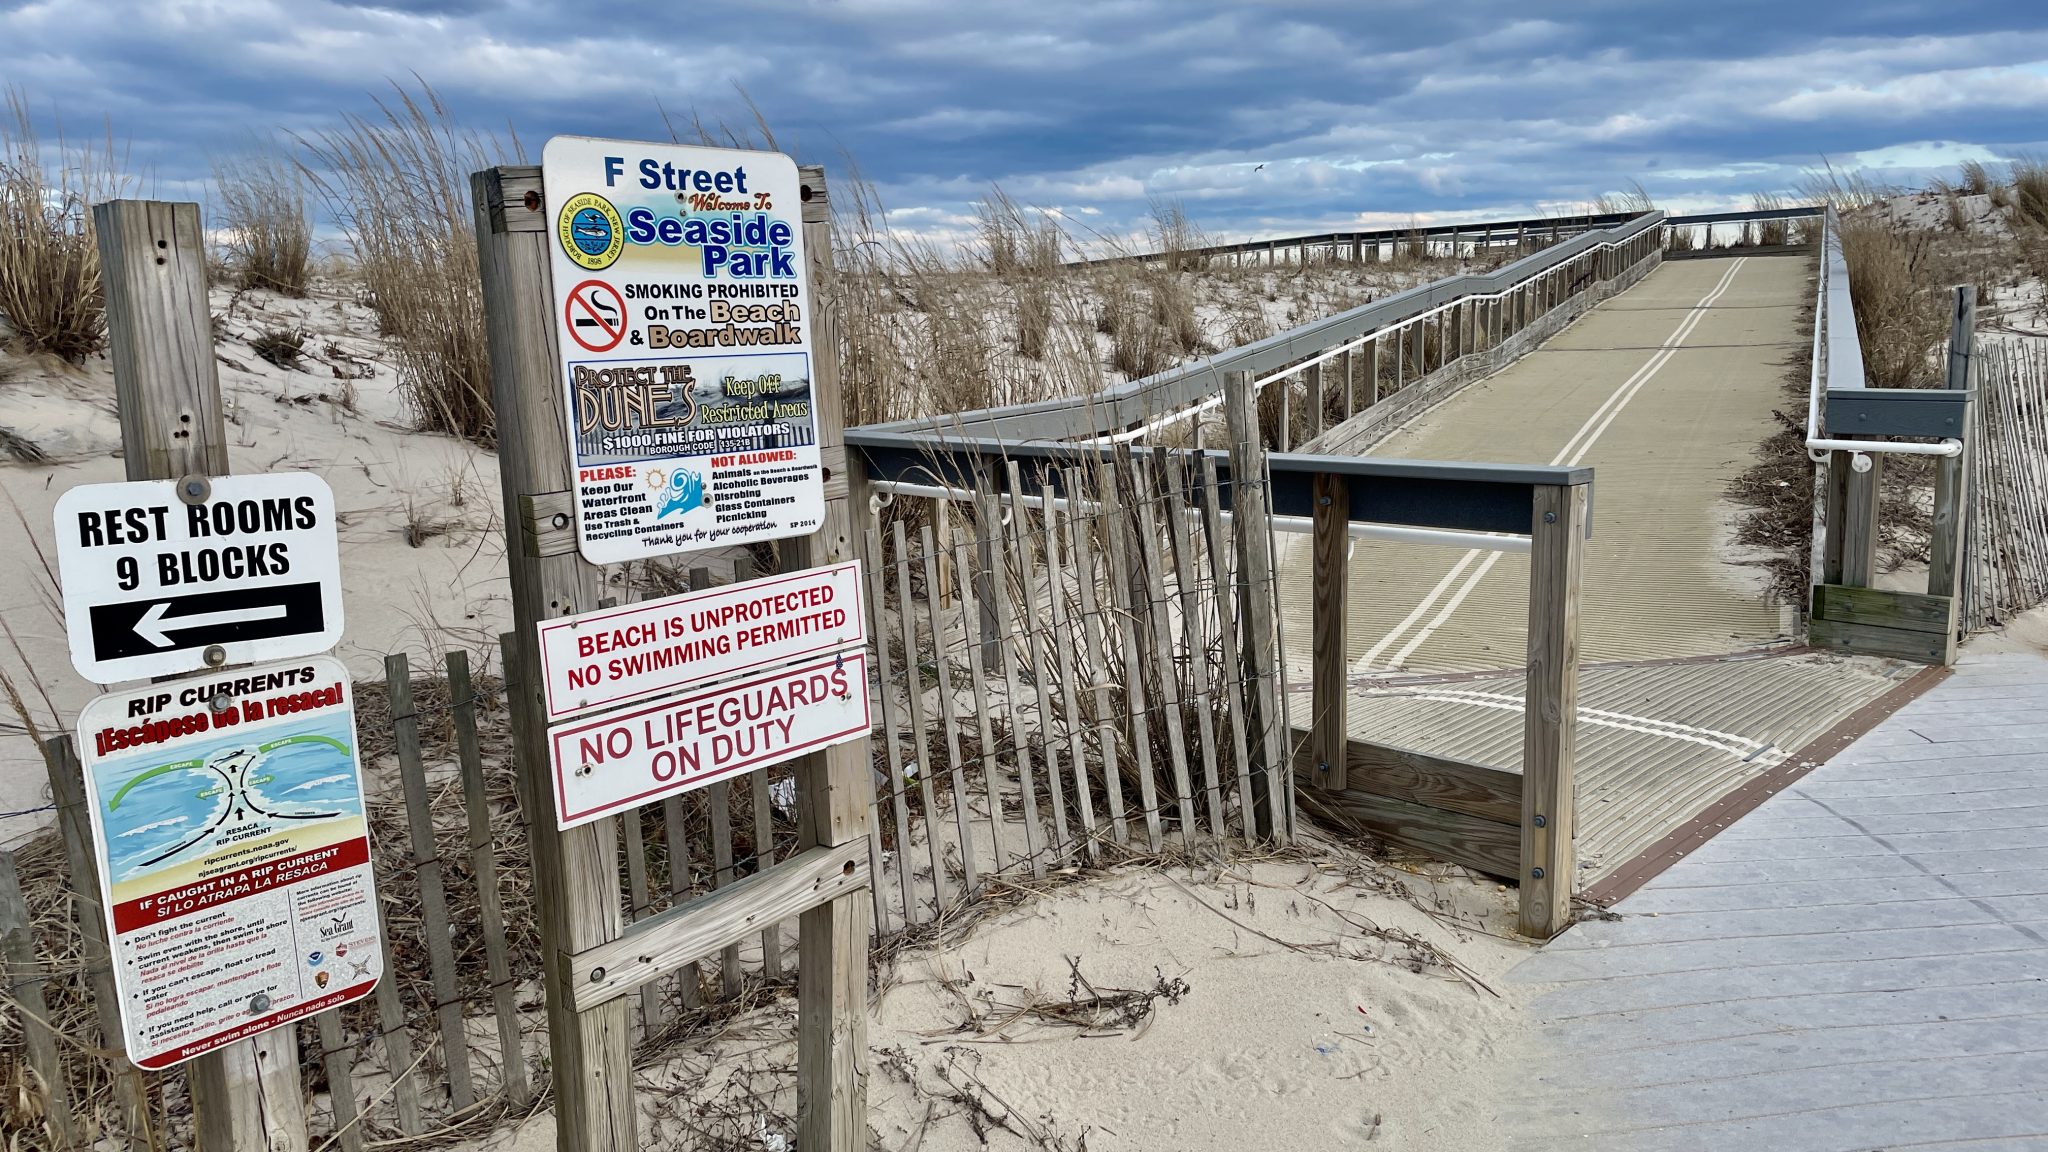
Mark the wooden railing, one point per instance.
(1515, 825)
(1433, 803)
(1846, 612)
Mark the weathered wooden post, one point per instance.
(592, 959)
(1861, 499)
(23, 988)
(1550, 723)
(247, 1095)
(1317, 404)
(1946, 551)
(67, 791)
(1332, 586)
(833, 787)
(575, 870)
(1252, 527)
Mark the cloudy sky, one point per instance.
(1360, 113)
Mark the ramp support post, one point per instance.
(1551, 704)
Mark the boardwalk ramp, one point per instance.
(1692, 686)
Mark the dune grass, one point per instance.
(266, 235)
(50, 292)
(398, 183)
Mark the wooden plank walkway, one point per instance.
(1667, 389)
(1859, 964)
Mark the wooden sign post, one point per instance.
(246, 1097)
(592, 959)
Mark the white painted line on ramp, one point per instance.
(1741, 747)
(1574, 450)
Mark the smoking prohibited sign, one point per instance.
(596, 316)
(685, 316)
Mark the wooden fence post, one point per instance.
(483, 868)
(1859, 530)
(576, 872)
(1332, 584)
(67, 791)
(833, 786)
(426, 866)
(245, 1096)
(1253, 528)
(1947, 558)
(1551, 708)
(22, 987)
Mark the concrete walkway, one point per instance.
(1859, 964)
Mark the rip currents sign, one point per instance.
(234, 855)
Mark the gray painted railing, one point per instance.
(1132, 403)
(1479, 233)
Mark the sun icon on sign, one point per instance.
(657, 479)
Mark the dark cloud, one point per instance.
(1097, 108)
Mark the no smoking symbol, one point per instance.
(596, 316)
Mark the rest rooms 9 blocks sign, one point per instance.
(685, 329)
(150, 581)
(235, 861)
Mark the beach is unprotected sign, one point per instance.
(685, 325)
(227, 811)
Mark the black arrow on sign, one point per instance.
(172, 623)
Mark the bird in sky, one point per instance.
(1260, 168)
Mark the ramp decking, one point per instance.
(1667, 390)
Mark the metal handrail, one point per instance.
(1168, 393)
(1480, 232)
(1259, 383)
(1837, 359)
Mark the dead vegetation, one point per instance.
(266, 235)
(398, 182)
(50, 296)
(1905, 253)
(283, 347)
(1014, 1012)
(1010, 318)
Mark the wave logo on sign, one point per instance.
(591, 231)
(681, 491)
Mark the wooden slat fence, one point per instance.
(459, 1013)
(1074, 693)
(1059, 684)
(2007, 568)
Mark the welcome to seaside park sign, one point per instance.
(685, 331)
(701, 686)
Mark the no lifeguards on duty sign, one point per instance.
(685, 329)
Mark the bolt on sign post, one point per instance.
(664, 382)
(164, 577)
